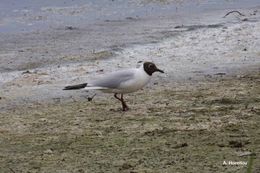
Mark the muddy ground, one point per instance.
(192, 128)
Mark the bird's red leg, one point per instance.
(115, 95)
(125, 107)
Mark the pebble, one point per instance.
(48, 151)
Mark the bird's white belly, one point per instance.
(133, 85)
(138, 82)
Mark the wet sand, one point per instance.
(190, 51)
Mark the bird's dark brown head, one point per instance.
(150, 68)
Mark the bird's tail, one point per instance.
(76, 87)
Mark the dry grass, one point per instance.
(192, 128)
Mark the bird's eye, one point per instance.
(150, 65)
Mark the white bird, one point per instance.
(121, 82)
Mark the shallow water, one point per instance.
(30, 15)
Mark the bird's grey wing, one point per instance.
(113, 80)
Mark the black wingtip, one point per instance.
(75, 87)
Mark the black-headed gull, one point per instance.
(121, 82)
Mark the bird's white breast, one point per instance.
(140, 79)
